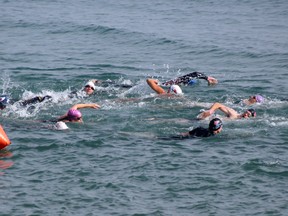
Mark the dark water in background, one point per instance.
(114, 164)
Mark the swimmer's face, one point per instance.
(247, 114)
(76, 120)
(252, 99)
(88, 89)
(218, 131)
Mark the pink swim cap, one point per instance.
(74, 114)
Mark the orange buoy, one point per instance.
(4, 140)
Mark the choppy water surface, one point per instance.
(115, 163)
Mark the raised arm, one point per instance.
(81, 106)
(154, 85)
(212, 109)
(199, 75)
(188, 79)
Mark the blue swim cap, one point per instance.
(192, 82)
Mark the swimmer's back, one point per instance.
(200, 132)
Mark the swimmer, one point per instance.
(253, 99)
(230, 113)
(215, 127)
(74, 115)
(88, 89)
(190, 79)
(154, 84)
(90, 86)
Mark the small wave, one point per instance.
(256, 163)
(271, 168)
(276, 121)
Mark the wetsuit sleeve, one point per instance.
(34, 100)
(185, 79)
(73, 94)
(31, 101)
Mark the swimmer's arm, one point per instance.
(154, 85)
(194, 75)
(210, 80)
(81, 106)
(212, 109)
(198, 75)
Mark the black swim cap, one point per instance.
(215, 124)
(253, 112)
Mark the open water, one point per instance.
(115, 163)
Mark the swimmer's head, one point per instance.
(215, 125)
(254, 99)
(89, 87)
(253, 112)
(259, 98)
(4, 99)
(249, 113)
(74, 115)
(175, 89)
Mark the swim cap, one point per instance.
(74, 114)
(176, 89)
(61, 126)
(192, 81)
(4, 99)
(259, 98)
(91, 84)
(253, 112)
(215, 124)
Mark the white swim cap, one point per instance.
(61, 126)
(91, 84)
(176, 89)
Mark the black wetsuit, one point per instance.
(34, 100)
(200, 132)
(197, 132)
(186, 79)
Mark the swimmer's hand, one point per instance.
(95, 106)
(212, 80)
(95, 81)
